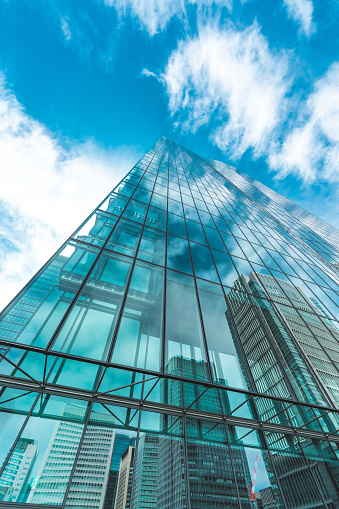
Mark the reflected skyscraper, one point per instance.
(124, 486)
(279, 356)
(188, 326)
(13, 484)
(92, 468)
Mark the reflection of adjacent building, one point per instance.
(145, 486)
(91, 474)
(265, 499)
(123, 493)
(121, 443)
(211, 476)
(313, 331)
(57, 464)
(280, 357)
(13, 482)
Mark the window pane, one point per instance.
(96, 229)
(156, 218)
(152, 246)
(176, 225)
(223, 357)
(88, 330)
(178, 256)
(125, 238)
(139, 338)
(203, 263)
(135, 211)
(185, 353)
(47, 297)
(226, 269)
(196, 232)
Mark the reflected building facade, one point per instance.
(188, 326)
(279, 356)
(14, 482)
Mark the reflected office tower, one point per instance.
(305, 330)
(117, 361)
(121, 443)
(91, 475)
(145, 486)
(13, 483)
(92, 469)
(265, 499)
(124, 487)
(209, 462)
(279, 356)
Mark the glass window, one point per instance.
(176, 225)
(201, 205)
(159, 201)
(203, 262)
(206, 219)
(221, 225)
(88, 330)
(174, 195)
(96, 229)
(185, 355)
(210, 472)
(104, 470)
(125, 238)
(138, 341)
(175, 207)
(142, 195)
(125, 188)
(226, 269)
(223, 357)
(52, 429)
(191, 213)
(188, 200)
(72, 373)
(114, 204)
(48, 296)
(178, 255)
(152, 246)
(135, 211)
(196, 232)
(156, 218)
(214, 239)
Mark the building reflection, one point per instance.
(284, 352)
(14, 486)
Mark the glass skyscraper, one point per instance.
(179, 351)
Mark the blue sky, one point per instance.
(87, 87)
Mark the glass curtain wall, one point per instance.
(180, 351)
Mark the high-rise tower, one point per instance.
(187, 331)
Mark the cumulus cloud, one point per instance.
(311, 148)
(301, 11)
(154, 15)
(232, 77)
(46, 190)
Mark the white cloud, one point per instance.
(147, 73)
(301, 11)
(154, 15)
(311, 148)
(46, 191)
(233, 77)
(64, 22)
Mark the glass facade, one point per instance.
(179, 351)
